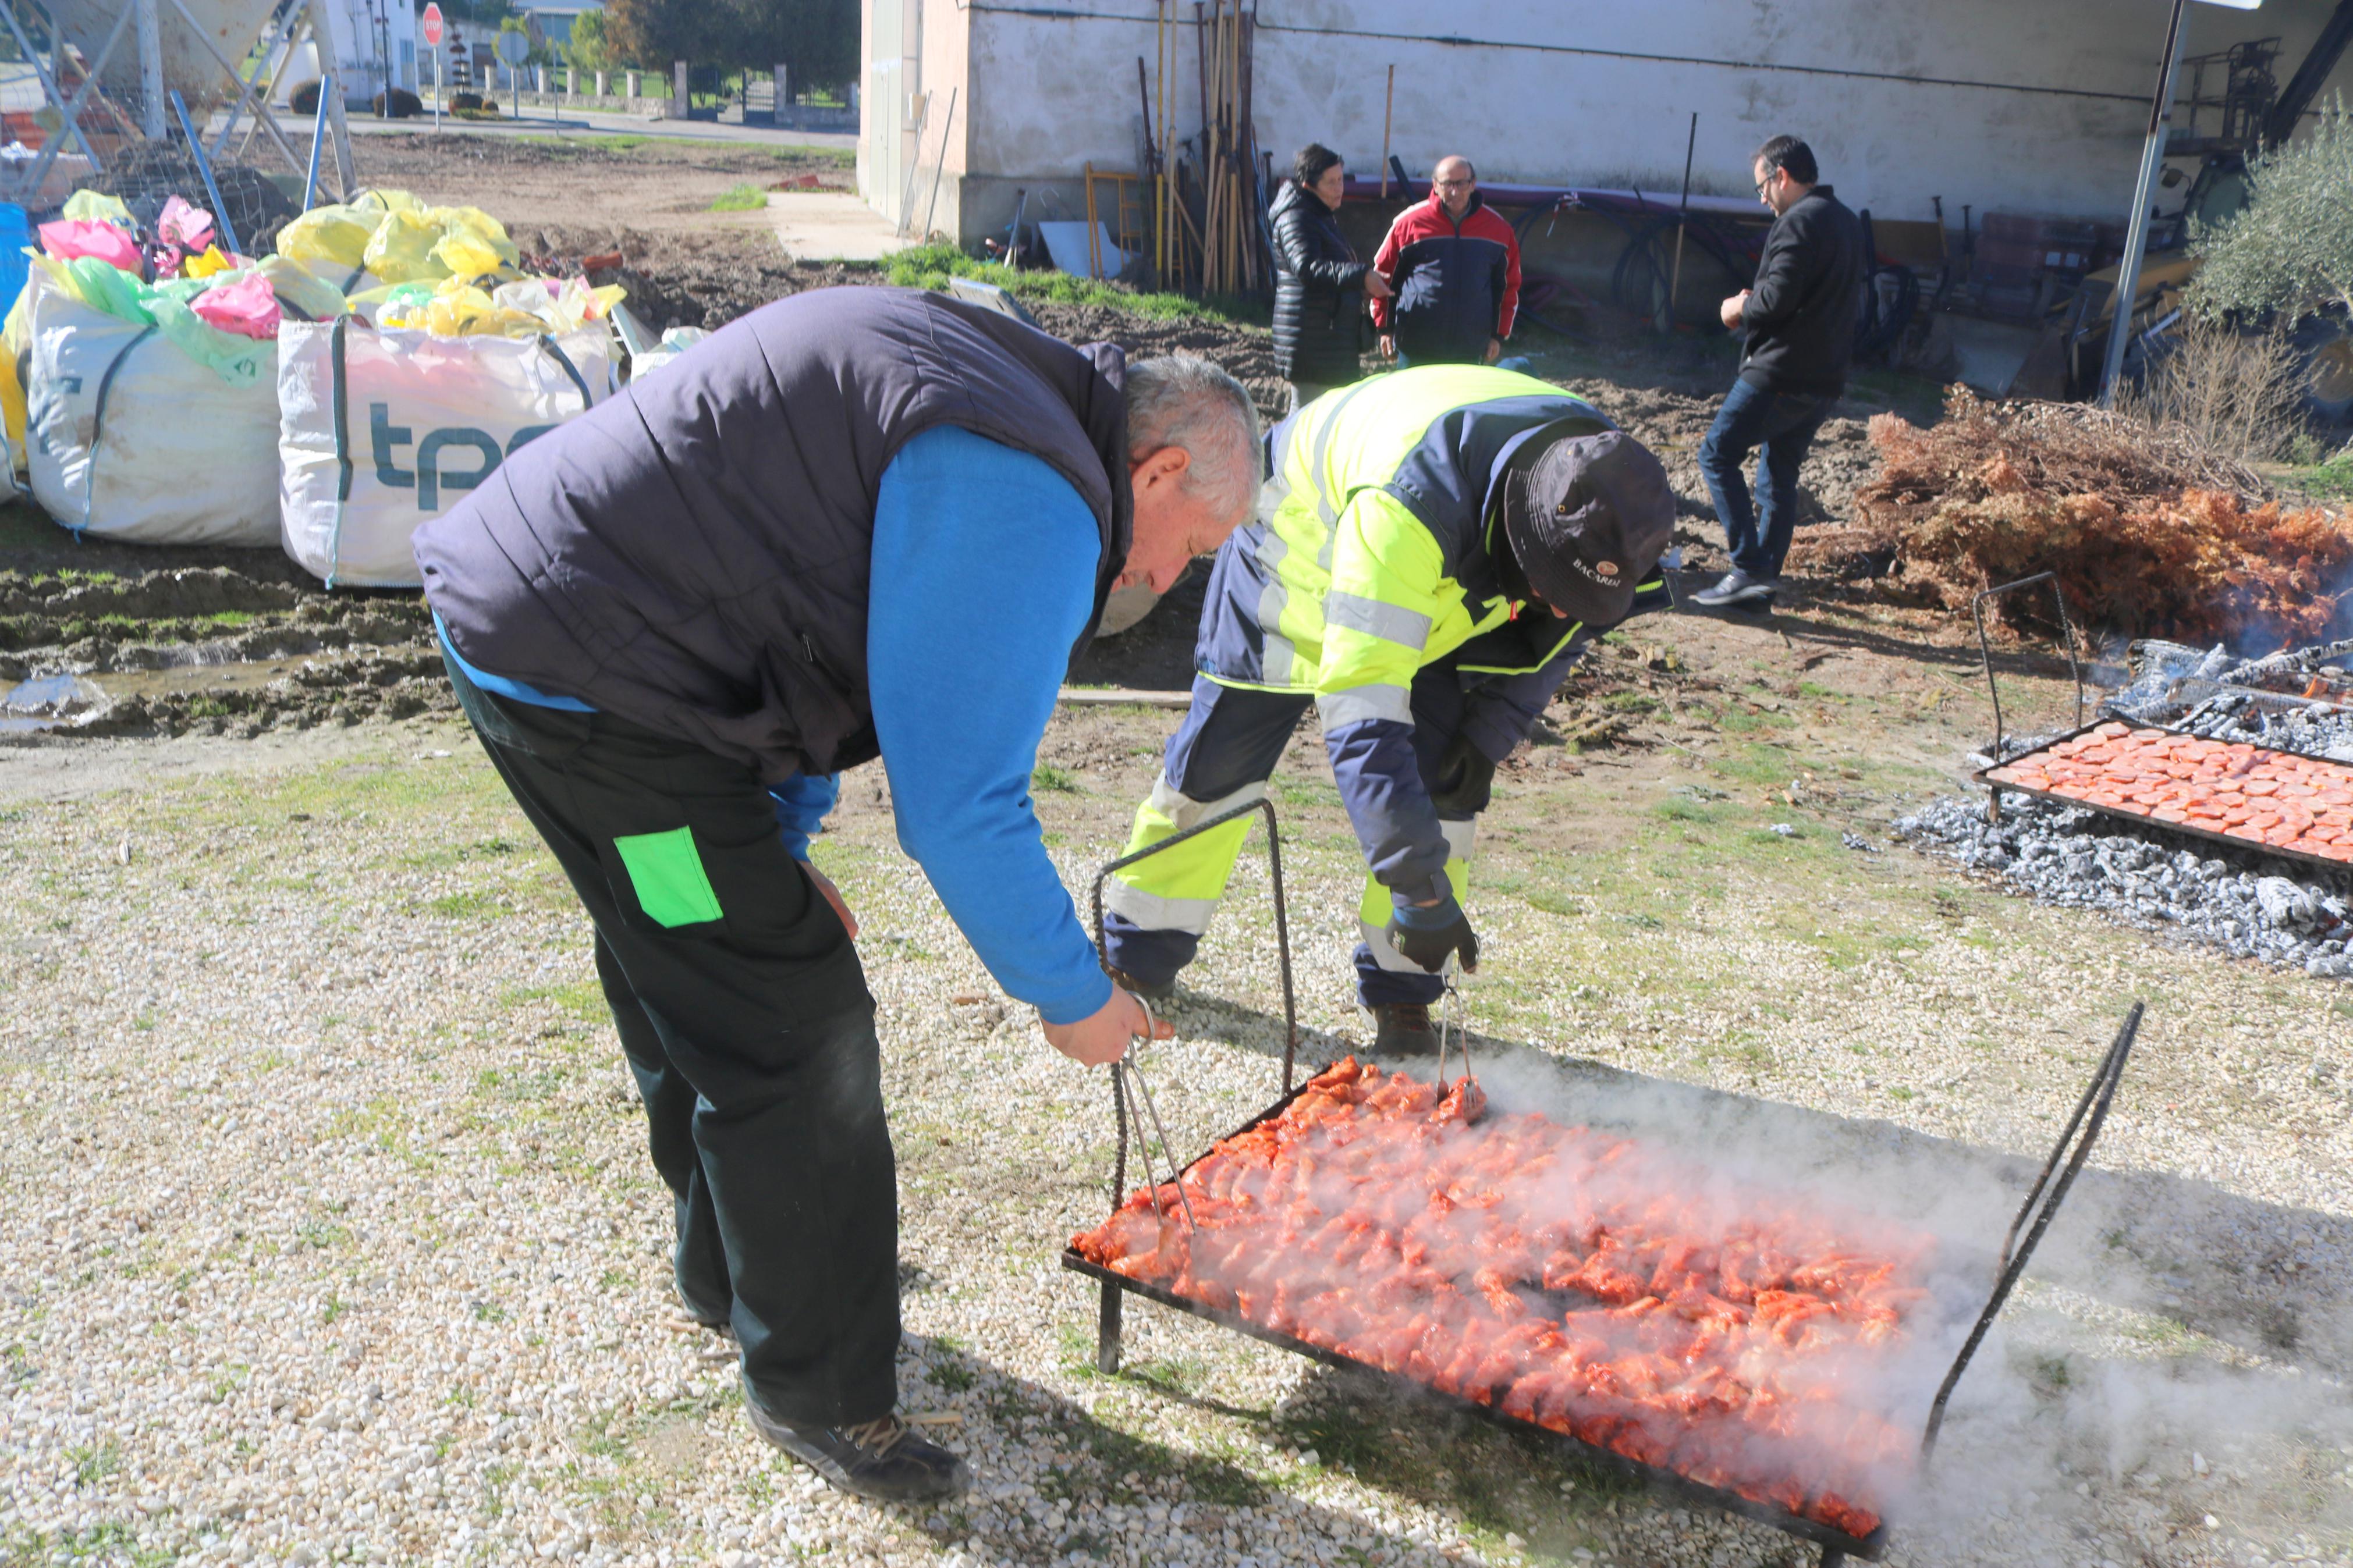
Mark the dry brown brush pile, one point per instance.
(2148, 534)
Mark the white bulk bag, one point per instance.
(381, 430)
(131, 439)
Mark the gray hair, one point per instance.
(1180, 400)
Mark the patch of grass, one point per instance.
(619, 144)
(582, 999)
(111, 1542)
(743, 198)
(1047, 776)
(2331, 480)
(94, 1462)
(1631, 703)
(472, 904)
(931, 267)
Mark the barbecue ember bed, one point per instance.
(2250, 797)
(2247, 796)
(1817, 1516)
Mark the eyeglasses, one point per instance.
(1769, 175)
(1452, 184)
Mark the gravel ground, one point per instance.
(2250, 906)
(330, 1237)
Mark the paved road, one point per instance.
(542, 123)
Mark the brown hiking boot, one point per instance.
(1403, 1029)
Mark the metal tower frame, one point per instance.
(290, 27)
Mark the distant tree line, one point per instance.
(816, 39)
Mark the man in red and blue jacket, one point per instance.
(1455, 267)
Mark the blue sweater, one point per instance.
(983, 578)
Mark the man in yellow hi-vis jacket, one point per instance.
(1449, 539)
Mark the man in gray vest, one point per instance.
(858, 523)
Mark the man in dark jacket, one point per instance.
(856, 523)
(1319, 284)
(1800, 319)
(1455, 266)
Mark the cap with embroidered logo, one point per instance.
(1588, 519)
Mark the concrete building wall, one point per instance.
(2010, 105)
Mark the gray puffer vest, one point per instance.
(695, 555)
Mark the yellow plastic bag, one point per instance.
(12, 410)
(472, 233)
(466, 255)
(336, 235)
(380, 202)
(401, 252)
(96, 206)
(16, 342)
(204, 266)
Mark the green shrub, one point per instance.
(2292, 248)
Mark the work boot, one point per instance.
(1150, 991)
(881, 1460)
(1737, 591)
(1403, 1029)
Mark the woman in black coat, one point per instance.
(1319, 284)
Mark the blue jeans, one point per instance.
(1783, 423)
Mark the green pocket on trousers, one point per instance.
(667, 876)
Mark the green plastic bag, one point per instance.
(238, 360)
(300, 289)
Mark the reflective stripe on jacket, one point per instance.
(1380, 559)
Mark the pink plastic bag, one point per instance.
(189, 227)
(70, 237)
(248, 306)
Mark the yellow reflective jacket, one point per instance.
(1382, 557)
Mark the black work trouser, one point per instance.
(746, 1016)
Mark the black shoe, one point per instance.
(1737, 591)
(1402, 1029)
(1159, 992)
(879, 1459)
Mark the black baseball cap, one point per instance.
(1588, 519)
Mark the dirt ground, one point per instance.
(651, 183)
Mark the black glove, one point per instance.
(1426, 936)
(1464, 780)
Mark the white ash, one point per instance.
(2211, 694)
(2250, 905)
(2318, 731)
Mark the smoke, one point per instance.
(2164, 1324)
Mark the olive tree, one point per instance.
(2291, 248)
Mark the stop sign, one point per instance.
(433, 24)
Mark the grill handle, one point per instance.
(1282, 921)
(2066, 644)
(2043, 1200)
(1107, 1319)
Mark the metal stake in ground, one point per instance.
(1682, 221)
